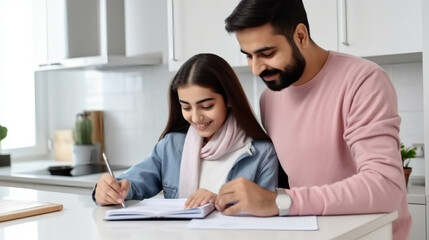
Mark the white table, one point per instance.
(81, 219)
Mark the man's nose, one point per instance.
(257, 66)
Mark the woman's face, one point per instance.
(203, 109)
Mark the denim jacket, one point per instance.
(161, 169)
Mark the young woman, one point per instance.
(211, 137)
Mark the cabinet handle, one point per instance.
(344, 38)
(173, 33)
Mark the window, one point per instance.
(17, 79)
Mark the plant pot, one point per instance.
(407, 172)
(85, 154)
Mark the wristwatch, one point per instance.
(283, 202)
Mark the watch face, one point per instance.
(283, 202)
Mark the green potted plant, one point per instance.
(84, 151)
(82, 132)
(4, 158)
(407, 153)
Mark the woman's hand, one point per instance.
(200, 197)
(109, 191)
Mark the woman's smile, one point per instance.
(202, 126)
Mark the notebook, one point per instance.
(14, 209)
(159, 208)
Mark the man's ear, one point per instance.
(301, 37)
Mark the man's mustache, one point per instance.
(269, 72)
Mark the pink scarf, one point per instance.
(228, 137)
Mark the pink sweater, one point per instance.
(336, 137)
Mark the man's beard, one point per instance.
(290, 75)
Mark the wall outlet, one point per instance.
(420, 149)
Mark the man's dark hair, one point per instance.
(283, 15)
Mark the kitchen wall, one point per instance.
(134, 101)
(408, 81)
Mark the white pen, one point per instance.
(110, 171)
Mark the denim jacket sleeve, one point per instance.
(157, 171)
(267, 173)
(259, 164)
(144, 177)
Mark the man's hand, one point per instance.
(242, 195)
(109, 191)
(200, 197)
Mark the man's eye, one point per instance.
(268, 54)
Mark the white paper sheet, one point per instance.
(292, 223)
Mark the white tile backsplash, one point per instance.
(408, 81)
(136, 107)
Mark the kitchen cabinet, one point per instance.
(199, 27)
(82, 33)
(322, 18)
(383, 27)
(418, 226)
(366, 28)
(417, 208)
(359, 27)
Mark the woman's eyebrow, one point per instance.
(198, 102)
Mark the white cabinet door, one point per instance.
(142, 35)
(199, 27)
(72, 29)
(418, 226)
(379, 27)
(366, 28)
(322, 18)
(363, 28)
(93, 33)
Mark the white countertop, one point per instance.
(35, 172)
(82, 219)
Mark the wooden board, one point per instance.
(97, 120)
(14, 209)
(63, 145)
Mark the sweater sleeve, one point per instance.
(371, 130)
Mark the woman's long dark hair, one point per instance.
(211, 71)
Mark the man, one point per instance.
(332, 118)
